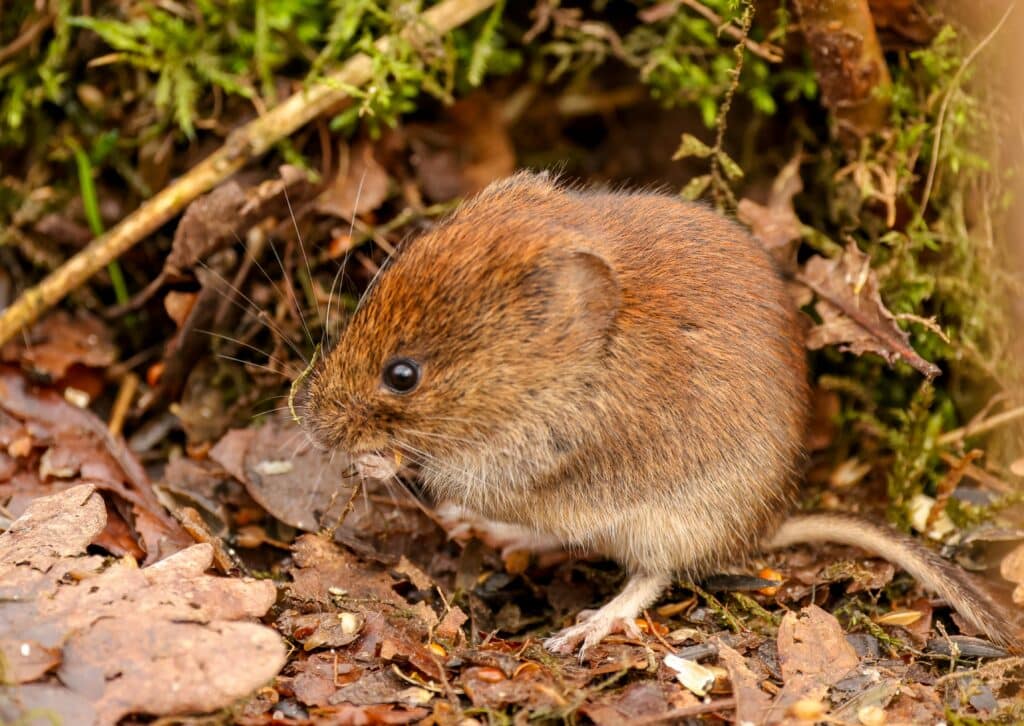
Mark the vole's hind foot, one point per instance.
(618, 615)
(594, 625)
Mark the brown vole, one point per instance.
(623, 372)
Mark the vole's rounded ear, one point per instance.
(580, 293)
(592, 288)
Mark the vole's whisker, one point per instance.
(268, 412)
(290, 288)
(275, 371)
(325, 334)
(441, 437)
(254, 310)
(438, 468)
(302, 249)
(288, 368)
(373, 281)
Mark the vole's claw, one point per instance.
(591, 629)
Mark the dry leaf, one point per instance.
(221, 217)
(359, 186)
(776, 224)
(159, 640)
(321, 630)
(60, 340)
(75, 447)
(852, 312)
(299, 484)
(813, 655)
(752, 704)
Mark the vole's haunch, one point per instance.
(622, 372)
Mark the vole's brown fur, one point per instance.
(623, 372)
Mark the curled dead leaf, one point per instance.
(220, 217)
(852, 312)
(813, 655)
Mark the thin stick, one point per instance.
(771, 53)
(941, 122)
(723, 704)
(125, 394)
(964, 432)
(244, 144)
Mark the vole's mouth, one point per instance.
(377, 465)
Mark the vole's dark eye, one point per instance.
(401, 375)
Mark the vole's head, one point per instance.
(490, 325)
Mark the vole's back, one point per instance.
(706, 390)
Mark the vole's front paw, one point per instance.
(591, 629)
(461, 523)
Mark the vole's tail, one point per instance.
(954, 584)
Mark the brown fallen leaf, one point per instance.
(321, 630)
(73, 445)
(775, 224)
(60, 705)
(297, 483)
(315, 678)
(160, 640)
(383, 714)
(220, 217)
(752, 704)
(641, 702)
(306, 488)
(59, 341)
(359, 186)
(813, 655)
(167, 667)
(852, 312)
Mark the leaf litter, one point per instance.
(390, 613)
(164, 639)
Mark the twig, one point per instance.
(125, 394)
(26, 37)
(771, 53)
(984, 478)
(242, 145)
(973, 429)
(654, 631)
(720, 188)
(937, 145)
(723, 704)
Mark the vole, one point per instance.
(621, 372)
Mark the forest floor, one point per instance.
(172, 544)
